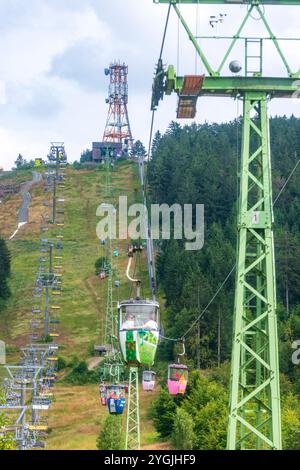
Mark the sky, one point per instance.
(54, 52)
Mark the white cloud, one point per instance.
(53, 54)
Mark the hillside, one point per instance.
(83, 299)
(191, 164)
(76, 415)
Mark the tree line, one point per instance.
(5, 269)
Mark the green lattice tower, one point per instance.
(110, 320)
(108, 174)
(110, 324)
(133, 412)
(112, 367)
(254, 416)
(254, 419)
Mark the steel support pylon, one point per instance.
(133, 441)
(112, 367)
(254, 418)
(111, 322)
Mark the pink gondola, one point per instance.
(177, 379)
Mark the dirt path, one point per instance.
(94, 362)
(25, 192)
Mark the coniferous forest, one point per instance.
(4, 271)
(199, 164)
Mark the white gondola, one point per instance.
(139, 331)
(149, 379)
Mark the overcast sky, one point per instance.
(53, 54)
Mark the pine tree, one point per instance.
(183, 435)
(138, 150)
(111, 436)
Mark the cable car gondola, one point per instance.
(116, 401)
(103, 395)
(177, 379)
(138, 324)
(149, 378)
(138, 331)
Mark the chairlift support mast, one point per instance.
(57, 155)
(112, 367)
(255, 416)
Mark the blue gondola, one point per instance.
(116, 400)
(116, 252)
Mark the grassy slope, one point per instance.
(76, 416)
(76, 419)
(84, 296)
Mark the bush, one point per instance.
(100, 265)
(79, 375)
(86, 156)
(111, 436)
(291, 423)
(183, 435)
(47, 339)
(6, 439)
(61, 363)
(163, 413)
(207, 404)
(211, 426)
(202, 413)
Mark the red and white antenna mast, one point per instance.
(117, 128)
